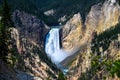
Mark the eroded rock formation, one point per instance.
(101, 17)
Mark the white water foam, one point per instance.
(52, 47)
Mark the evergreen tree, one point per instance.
(5, 24)
(6, 17)
(61, 76)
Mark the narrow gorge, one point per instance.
(61, 40)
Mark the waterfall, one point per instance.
(52, 46)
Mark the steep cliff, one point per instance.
(30, 26)
(72, 32)
(101, 20)
(29, 36)
(93, 34)
(103, 16)
(27, 56)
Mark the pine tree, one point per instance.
(61, 76)
(6, 17)
(5, 24)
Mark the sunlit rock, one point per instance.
(49, 12)
(72, 32)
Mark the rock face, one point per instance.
(27, 39)
(101, 17)
(33, 62)
(72, 32)
(30, 26)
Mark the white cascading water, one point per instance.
(52, 46)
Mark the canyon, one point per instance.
(40, 47)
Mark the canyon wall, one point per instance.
(101, 17)
(27, 45)
(75, 33)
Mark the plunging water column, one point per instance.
(52, 46)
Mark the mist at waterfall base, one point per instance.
(52, 48)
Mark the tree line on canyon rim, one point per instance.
(61, 8)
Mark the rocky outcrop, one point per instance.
(28, 57)
(101, 17)
(30, 26)
(29, 33)
(33, 63)
(72, 32)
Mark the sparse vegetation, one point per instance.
(100, 43)
(104, 39)
(103, 65)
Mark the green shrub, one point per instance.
(114, 68)
(104, 39)
(61, 76)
